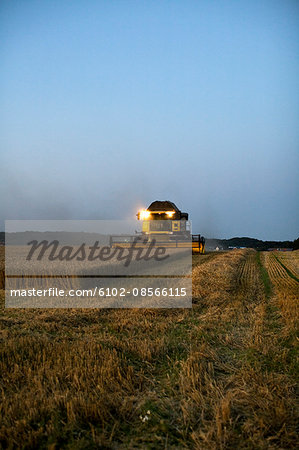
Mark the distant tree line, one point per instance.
(252, 243)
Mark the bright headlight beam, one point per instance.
(144, 214)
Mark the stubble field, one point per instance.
(221, 375)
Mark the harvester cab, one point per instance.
(164, 218)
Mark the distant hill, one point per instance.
(247, 242)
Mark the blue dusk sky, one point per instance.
(109, 105)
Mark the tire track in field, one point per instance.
(290, 260)
(246, 275)
(278, 275)
(244, 336)
(287, 269)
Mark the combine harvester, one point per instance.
(163, 222)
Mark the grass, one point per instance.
(264, 275)
(221, 375)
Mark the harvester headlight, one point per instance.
(170, 213)
(144, 214)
